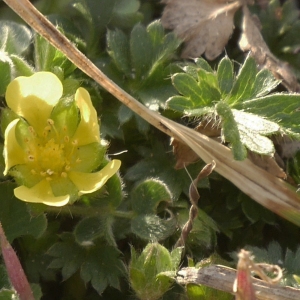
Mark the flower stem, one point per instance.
(88, 211)
(14, 269)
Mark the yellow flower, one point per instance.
(54, 146)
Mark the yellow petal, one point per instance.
(13, 153)
(34, 97)
(91, 182)
(88, 128)
(40, 193)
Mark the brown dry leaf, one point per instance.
(184, 154)
(204, 25)
(252, 40)
(267, 163)
(286, 146)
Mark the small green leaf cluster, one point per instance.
(151, 270)
(239, 105)
(143, 76)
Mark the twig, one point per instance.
(222, 278)
(194, 197)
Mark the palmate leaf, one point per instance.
(200, 88)
(98, 263)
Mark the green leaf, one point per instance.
(203, 64)
(21, 66)
(36, 254)
(44, 54)
(211, 81)
(125, 114)
(189, 88)
(6, 71)
(252, 128)
(15, 217)
(202, 292)
(145, 271)
(159, 163)
(98, 263)
(181, 104)
(146, 197)
(8, 294)
(150, 48)
(230, 130)
(118, 49)
(152, 228)
(126, 6)
(4, 280)
(68, 255)
(264, 83)
(141, 51)
(14, 38)
(254, 211)
(126, 14)
(281, 108)
(225, 75)
(242, 88)
(89, 229)
(103, 267)
(204, 229)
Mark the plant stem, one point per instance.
(83, 211)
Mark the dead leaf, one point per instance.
(286, 146)
(204, 25)
(267, 163)
(252, 40)
(184, 154)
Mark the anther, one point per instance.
(49, 172)
(31, 157)
(50, 122)
(63, 174)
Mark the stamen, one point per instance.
(32, 131)
(33, 172)
(49, 172)
(64, 174)
(66, 139)
(51, 123)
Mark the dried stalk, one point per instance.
(222, 278)
(194, 197)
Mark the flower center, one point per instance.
(53, 154)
